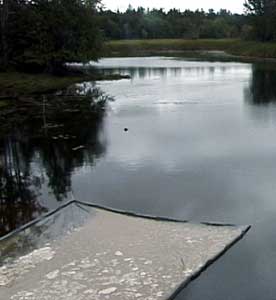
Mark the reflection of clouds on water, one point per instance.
(181, 143)
(183, 82)
(188, 139)
(158, 111)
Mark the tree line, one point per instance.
(143, 23)
(44, 34)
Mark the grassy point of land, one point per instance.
(236, 47)
(170, 44)
(14, 84)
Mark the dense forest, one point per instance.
(42, 35)
(143, 23)
(257, 23)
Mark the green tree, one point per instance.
(44, 34)
(4, 14)
(262, 15)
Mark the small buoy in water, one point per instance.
(126, 129)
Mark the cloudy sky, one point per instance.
(233, 5)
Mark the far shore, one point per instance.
(213, 48)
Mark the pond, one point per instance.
(187, 139)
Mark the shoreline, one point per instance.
(23, 96)
(226, 49)
(17, 84)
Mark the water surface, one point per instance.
(200, 145)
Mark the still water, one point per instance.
(200, 145)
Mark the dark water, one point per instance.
(200, 145)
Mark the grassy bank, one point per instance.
(27, 99)
(13, 84)
(20, 91)
(246, 49)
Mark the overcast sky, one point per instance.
(233, 5)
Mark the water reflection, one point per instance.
(196, 149)
(18, 187)
(262, 88)
(212, 159)
(152, 67)
(41, 148)
(149, 72)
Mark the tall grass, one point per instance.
(231, 46)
